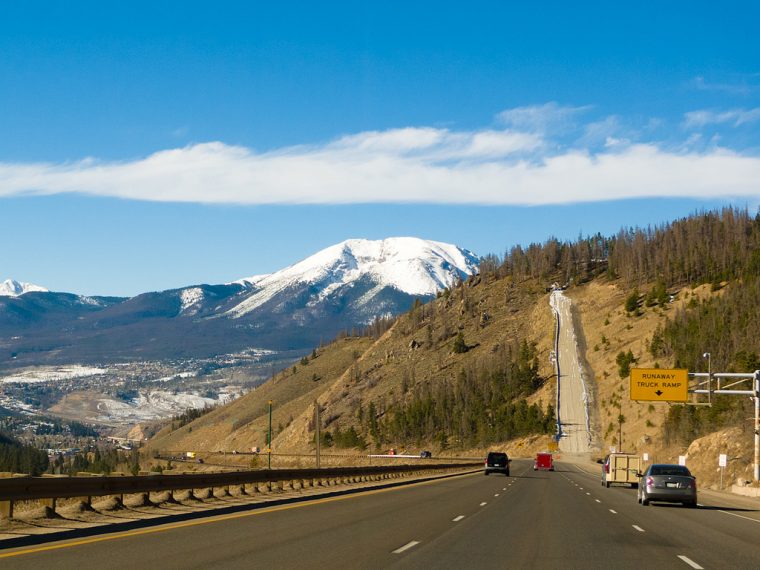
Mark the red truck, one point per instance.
(543, 462)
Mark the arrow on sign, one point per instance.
(659, 392)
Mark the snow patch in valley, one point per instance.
(158, 404)
(174, 377)
(52, 374)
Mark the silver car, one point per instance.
(668, 483)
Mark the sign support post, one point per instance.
(757, 426)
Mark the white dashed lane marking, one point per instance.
(597, 500)
(613, 511)
(483, 504)
(407, 546)
(690, 562)
(638, 528)
(457, 519)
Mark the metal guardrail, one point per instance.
(30, 488)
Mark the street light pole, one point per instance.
(318, 434)
(269, 438)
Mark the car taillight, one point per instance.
(606, 467)
(693, 483)
(650, 482)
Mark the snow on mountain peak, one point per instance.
(12, 288)
(411, 265)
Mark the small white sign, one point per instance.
(646, 457)
(722, 460)
(682, 460)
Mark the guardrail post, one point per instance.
(6, 509)
(49, 505)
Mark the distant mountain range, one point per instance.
(344, 286)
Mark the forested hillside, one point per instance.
(16, 457)
(703, 248)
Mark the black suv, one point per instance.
(497, 462)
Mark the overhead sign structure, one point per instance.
(660, 384)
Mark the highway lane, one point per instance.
(722, 533)
(356, 531)
(532, 520)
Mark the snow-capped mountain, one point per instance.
(411, 266)
(13, 288)
(343, 287)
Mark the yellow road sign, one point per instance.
(660, 384)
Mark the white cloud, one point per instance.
(541, 118)
(734, 117)
(425, 165)
(737, 88)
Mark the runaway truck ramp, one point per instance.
(573, 422)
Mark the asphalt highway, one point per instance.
(562, 519)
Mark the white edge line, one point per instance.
(740, 516)
(638, 528)
(457, 519)
(690, 562)
(407, 546)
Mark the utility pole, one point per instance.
(318, 423)
(269, 438)
(757, 426)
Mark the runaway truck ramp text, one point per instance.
(660, 384)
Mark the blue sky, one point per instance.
(148, 146)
